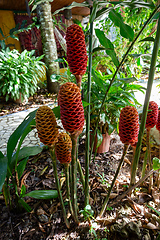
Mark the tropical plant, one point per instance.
(13, 166)
(20, 73)
(121, 94)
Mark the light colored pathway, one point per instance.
(10, 122)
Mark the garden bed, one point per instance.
(129, 218)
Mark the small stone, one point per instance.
(43, 218)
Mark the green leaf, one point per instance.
(94, 12)
(43, 194)
(98, 80)
(147, 39)
(23, 191)
(85, 104)
(104, 41)
(24, 205)
(156, 163)
(134, 4)
(97, 49)
(156, 211)
(99, 138)
(1, 155)
(108, 45)
(12, 142)
(24, 153)
(74, 4)
(21, 167)
(56, 111)
(125, 30)
(3, 171)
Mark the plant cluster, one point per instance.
(20, 73)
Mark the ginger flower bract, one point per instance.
(76, 50)
(71, 108)
(158, 121)
(63, 148)
(46, 125)
(129, 125)
(152, 115)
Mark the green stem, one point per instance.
(149, 159)
(113, 78)
(144, 163)
(81, 174)
(87, 160)
(74, 177)
(113, 181)
(53, 157)
(146, 102)
(66, 166)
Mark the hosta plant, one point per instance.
(20, 73)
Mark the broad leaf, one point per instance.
(156, 163)
(43, 194)
(74, 4)
(147, 39)
(12, 142)
(101, 9)
(24, 153)
(85, 104)
(99, 138)
(98, 80)
(125, 30)
(56, 111)
(24, 205)
(1, 155)
(21, 167)
(104, 41)
(3, 171)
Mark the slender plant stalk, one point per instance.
(74, 177)
(149, 159)
(117, 69)
(81, 173)
(53, 156)
(131, 188)
(134, 150)
(66, 166)
(113, 181)
(144, 163)
(79, 167)
(87, 160)
(146, 102)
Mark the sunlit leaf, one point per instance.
(104, 41)
(43, 194)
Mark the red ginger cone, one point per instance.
(158, 121)
(71, 108)
(76, 51)
(63, 148)
(152, 115)
(46, 125)
(129, 125)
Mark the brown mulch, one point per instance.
(130, 218)
(39, 98)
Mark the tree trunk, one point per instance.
(49, 44)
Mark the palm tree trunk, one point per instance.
(49, 44)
